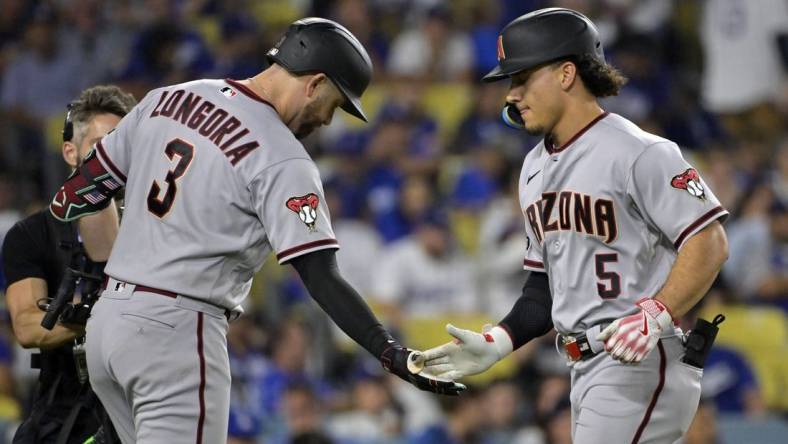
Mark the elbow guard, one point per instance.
(89, 189)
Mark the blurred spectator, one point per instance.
(505, 412)
(432, 50)
(463, 423)
(419, 409)
(484, 36)
(166, 51)
(37, 84)
(9, 215)
(689, 125)
(384, 179)
(743, 79)
(360, 244)
(480, 179)
(239, 54)
(303, 413)
(13, 21)
(722, 174)
(553, 392)
(290, 350)
(483, 125)
(361, 19)
(779, 179)
(10, 409)
(648, 87)
(373, 418)
(86, 36)
(248, 366)
(42, 78)
(424, 275)
(557, 422)
(412, 202)
(703, 429)
(730, 382)
(502, 245)
(758, 262)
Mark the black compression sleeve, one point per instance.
(340, 301)
(530, 317)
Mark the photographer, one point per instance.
(38, 253)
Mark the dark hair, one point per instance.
(599, 78)
(103, 99)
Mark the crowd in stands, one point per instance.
(423, 198)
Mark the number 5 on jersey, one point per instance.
(612, 288)
(185, 152)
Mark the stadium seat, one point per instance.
(760, 334)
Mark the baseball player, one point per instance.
(624, 237)
(215, 180)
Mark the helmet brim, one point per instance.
(352, 103)
(499, 73)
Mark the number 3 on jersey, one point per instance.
(185, 152)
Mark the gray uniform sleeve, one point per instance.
(288, 199)
(670, 194)
(114, 150)
(533, 260)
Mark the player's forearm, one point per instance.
(696, 267)
(30, 333)
(98, 232)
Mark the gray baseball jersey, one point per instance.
(605, 216)
(215, 181)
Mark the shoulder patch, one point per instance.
(306, 208)
(689, 181)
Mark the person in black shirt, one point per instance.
(36, 252)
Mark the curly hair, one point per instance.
(601, 79)
(103, 99)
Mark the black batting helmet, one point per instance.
(544, 36)
(319, 45)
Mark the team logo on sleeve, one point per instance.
(306, 209)
(689, 180)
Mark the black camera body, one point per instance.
(62, 309)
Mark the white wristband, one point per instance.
(501, 340)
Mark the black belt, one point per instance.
(577, 347)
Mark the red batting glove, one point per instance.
(631, 338)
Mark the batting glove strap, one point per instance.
(658, 311)
(631, 338)
(500, 339)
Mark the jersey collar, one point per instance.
(248, 92)
(548, 144)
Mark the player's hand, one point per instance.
(630, 339)
(408, 364)
(469, 353)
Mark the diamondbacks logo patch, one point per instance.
(306, 208)
(689, 181)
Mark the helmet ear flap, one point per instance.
(511, 117)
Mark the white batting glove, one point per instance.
(470, 352)
(630, 339)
